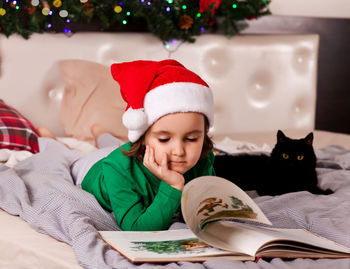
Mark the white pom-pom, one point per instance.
(133, 136)
(135, 119)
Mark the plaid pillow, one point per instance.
(16, 132)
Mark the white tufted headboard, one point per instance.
(260, 82)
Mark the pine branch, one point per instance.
(166, 19)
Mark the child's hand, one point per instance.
(162, 171)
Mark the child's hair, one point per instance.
(138, 148)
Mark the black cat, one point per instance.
(290, 167)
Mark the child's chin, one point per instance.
(179, 170)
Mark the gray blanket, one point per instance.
(40, 190)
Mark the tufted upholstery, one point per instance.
(260, 82)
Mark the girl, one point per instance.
(169, 111)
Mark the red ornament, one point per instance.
(31, 10)
(88, 6)
(203, 5)
(250, 17)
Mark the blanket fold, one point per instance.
(40, 190)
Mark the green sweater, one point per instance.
(139, 200)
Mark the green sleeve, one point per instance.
(136, 206)
(139, 201)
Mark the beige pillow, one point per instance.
(91, 96)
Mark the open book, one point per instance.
(224, 222)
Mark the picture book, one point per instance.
(223, 222)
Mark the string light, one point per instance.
(35, 3)
(63, 13)
(45, 11)
(234, 6)
(184, 7)
(118, 9)
(57, 3)
(172, 45)
(2, 12)
(125, 22)
(167, 9)
(67, 31)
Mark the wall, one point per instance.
(313, 8)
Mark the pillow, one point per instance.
(91, 96)
(16, 132)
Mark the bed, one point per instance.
(262, 81)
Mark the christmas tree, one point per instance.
(167, 19)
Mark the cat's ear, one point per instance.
(281, 137)
(309, 139)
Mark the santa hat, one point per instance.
(153, 89)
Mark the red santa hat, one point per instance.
(153, 89)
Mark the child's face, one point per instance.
(180, 136)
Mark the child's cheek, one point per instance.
(158, 155)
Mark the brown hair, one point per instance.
(138, 148)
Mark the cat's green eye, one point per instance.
(285, 156)
(300, 157)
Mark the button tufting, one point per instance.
(56, 94)
(217, 62)
(261, 89)
(302, 60)
(302, 111)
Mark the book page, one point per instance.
(234, 236)
(303, 239)
(269, 242)
(170, 245)
(209, 198)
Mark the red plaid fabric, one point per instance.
(16, 132)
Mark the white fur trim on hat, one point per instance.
(134, 119)
(172, 98)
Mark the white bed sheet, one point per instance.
(23, 247)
